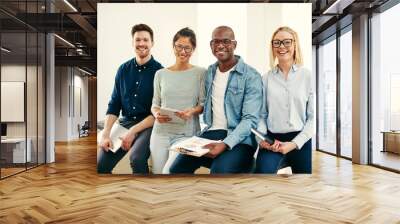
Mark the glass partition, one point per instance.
(22, 64)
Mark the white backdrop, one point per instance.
(253, 24)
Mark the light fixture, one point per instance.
(64, 40)
(5, 50)
(84, 71)
(70, 5)
(337, 7)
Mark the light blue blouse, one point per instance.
(288, 104)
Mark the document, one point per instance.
(263, 137)
(171, 113)
(117, 131)
(192, 146)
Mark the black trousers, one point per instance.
(299, 160)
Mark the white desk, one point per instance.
(18, 149)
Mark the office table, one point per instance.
(391, 141)
(13, 150)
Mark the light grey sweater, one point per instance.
(179, 90)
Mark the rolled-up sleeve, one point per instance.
(156, 102)
(114, 105)
(252, 104)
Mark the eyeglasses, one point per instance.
(285, 42)
(187, 49)
(216, 42)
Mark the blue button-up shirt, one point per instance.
(133, 90)
(243, 102)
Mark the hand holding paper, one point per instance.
(113, 141)
(194, 146)
(106, 143)
(215, 149)
(185, 114)
(162, 118)
(170, 115)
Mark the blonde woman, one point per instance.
(288, 107)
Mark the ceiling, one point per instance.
(76, 22)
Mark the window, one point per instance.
(327, 97)
(346, 94)
(385, 89)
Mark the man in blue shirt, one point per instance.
(132, 93)
(232, 107)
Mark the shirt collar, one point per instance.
(145, 65)
(276, 69)
(239, 67)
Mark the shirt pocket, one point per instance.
(235, 97)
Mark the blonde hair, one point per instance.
(298, 58)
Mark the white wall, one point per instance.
(61, 103)
(210, 16)
(68, 82)
(253, 25)
(12, 73)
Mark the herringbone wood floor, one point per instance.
(70, 191)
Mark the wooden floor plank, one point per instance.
(70, 191)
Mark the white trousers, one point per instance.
(162, 158)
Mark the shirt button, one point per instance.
(134, 107)
(144, 67)
(134, 118)
(137, 83)
(140, 70)
(135, 95)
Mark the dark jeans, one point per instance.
(237, 160)
(138, 158)
(299, 160)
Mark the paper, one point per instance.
(117, 131)
(192, 146)
(171, 113)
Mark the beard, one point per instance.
(142, 52)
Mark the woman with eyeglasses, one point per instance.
(179, 87)
(288, 109)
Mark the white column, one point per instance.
(50, 99)
(360, 90)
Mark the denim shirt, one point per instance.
(243, 102)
